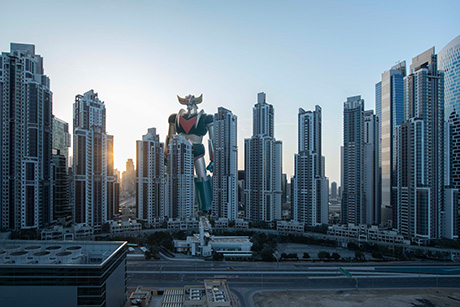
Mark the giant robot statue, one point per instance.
(193, 125)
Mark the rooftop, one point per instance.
(65, 253)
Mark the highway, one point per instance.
(245, 278)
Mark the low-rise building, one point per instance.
(241, 224)
(289, 227)
(204, 244)
(74, 232)
(365, 233)
(62, 273)
(124, 226)
(214, 293)
(182, 224)
(140, 297)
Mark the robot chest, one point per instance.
(191, 126)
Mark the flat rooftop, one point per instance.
(38, 253)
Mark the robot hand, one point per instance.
(210, 167)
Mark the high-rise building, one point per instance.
(353, 122)
(263, 166)
(150, 182)
(61, 137)
(333, 190)
(180, 202)
(62, 208)
(310, 185)
(371, 169)
(423, 199)
(389, 104)
(360, 170)
(129, 179)
(95, 186)
(26, 131)
(225, 175)
(449, 62)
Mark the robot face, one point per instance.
(192, 109)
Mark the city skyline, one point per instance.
(295, 52)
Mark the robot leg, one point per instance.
(203, 186)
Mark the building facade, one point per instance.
(263, 171)
(225, 175)
(352, 176)
(94, 178)
(180, 202)
(62, 207)
(422, 194)
(310, 204)
(360, 167)
(26, 130)
(150, 178)
(371, 169)
(62, 273)
(389, 100)
(449, 62)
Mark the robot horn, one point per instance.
(199, 99)
(181, 100)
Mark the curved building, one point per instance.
(449, 62)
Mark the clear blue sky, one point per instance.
(138, 55)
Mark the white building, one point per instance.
(124, 226)
(94, 178)
(180, 203)
(310, 203)
(365, 233)
(26, 181)
(203, 244)
(150, 179)
(225, 175)
(263, 169)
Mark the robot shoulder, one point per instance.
(172, 118)
(208, 119)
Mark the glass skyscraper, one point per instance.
(449, 62)
(389, 104)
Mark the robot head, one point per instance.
(191, 102)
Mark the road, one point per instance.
(245, 278)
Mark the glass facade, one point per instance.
(389, 100)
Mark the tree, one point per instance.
(359, 255)
(267, 254)
(323, 255)
(306, 255)
(105, 227)
(377, 255)
(335, 256)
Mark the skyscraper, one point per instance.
(225, 175)
(129, 179)
(26, 123)
(389, 104)
(263, 166)
(371, 169)
(61, 196)
(94, 178)
(360, 175)
(180, 202)
(449, 62)
(310, 185)
(422, 194)
(333, 190)
(353, 121)
(150, 175)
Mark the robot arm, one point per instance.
(171, 132)
(210, 126)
